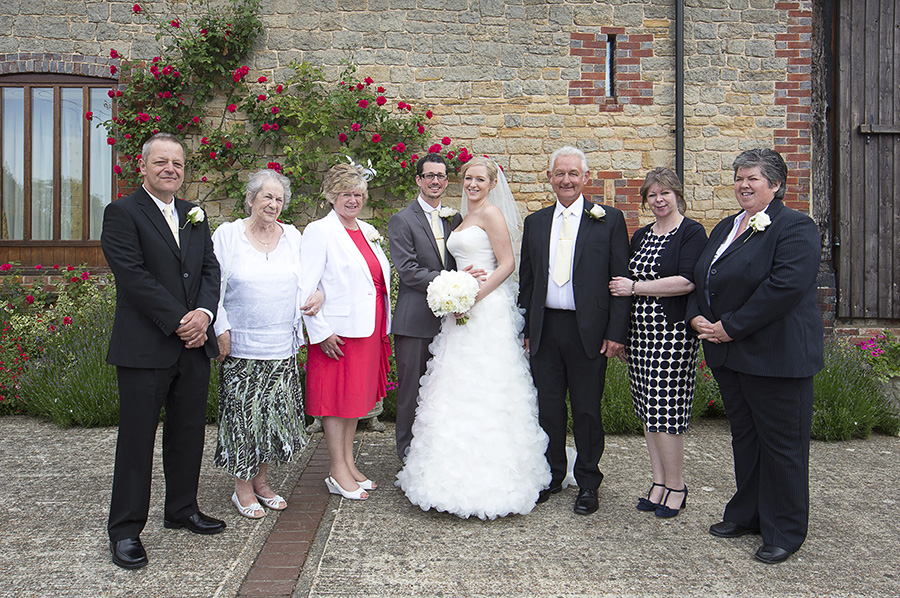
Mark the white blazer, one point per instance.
(330, 261)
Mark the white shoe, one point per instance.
(276, 503)
(367, 484)
(335, 488)
(254, 511)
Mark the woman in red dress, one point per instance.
(349, 346)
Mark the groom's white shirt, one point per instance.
(562, 297)
(427, 206)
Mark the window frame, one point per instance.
(27, 82)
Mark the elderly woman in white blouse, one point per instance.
(258, 328)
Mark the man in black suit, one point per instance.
(167, 289)
(570, 251)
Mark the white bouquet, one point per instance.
(452, 292)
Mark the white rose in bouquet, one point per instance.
(452, 292)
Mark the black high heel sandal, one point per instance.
(645, 504)
(663, 511)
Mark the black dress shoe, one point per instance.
(586, 503)
(544, 494)
(771, 555)
(197, 523)
(727, 529)
(128, 553)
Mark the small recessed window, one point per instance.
(610, 66)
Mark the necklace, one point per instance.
(261, 242)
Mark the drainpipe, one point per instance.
(679, 89)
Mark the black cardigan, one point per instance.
(677, 259)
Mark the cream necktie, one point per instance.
(172, 220)
(562, 266)
(437, 228)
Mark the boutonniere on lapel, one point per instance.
(195, 216)
(374, 237)
(596, 212)
(447, 213)
(758, 223)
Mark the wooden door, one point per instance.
(867, 173)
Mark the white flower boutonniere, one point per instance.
(596, 212)
(446, 213)
(196, 215)
(374, 237)
(758, 223)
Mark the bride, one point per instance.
(477, 447)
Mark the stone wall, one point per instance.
(518, 79)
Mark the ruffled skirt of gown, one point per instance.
(477, 446)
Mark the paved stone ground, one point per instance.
(55, 495)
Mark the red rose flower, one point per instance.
(274, 109)
(445, 141)
(266, 126)
(228, 145)
(274, 126)
(369, 80)
(113, 54)
(117, 169)
(5, 267)
(204, 141)
(421, 129)
(29, 299)
(156, 59)
(429, 114)
(434, 148)
(111, 93)
(376, 138)
(380, 90)
(111, 140)
(212, 155)
(279, 89)
(66, 319)
(274, 166)
(261, 80)
(74, 279)
(56, 266)
(203, 179)
(354, 127)
(85, 276)
(175, 23)
(37, 266)
(414, 157)
(360, 87)
(342, 138)
(179, 127)
(261, 98)
(118, 94)
(381, 100)
(364, 103)
(231, 107)
(196, 120)
(403, 164)
(136, 8)
(112, 69)
(400, 147)
(89, 115)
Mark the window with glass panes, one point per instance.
(56, 164)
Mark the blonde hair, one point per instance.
(341, 178)
(666, 179)
(489, 164)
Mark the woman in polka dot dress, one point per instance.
(661, 354)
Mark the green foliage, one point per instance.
(171, 92)
(707, 398)
(849, 401)
(198, 88)
(882, 353)
(617, 406)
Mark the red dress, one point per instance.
(351, 386)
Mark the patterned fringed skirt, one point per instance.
(260, 414)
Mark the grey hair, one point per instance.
(568, 150)
(771, 165)
(256, 180)
(145, 149)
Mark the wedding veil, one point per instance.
(502, 197)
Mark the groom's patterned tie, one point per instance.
(172, 220)
(562, 266)
(438, 229)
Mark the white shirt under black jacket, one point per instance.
(563, 297)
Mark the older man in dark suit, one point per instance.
(167, 284)
(418, 235)
(570, 251)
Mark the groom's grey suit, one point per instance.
(414, 252)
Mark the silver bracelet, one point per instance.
(633, 282)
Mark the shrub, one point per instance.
(848, 398)
(617, 406)
(882, 353)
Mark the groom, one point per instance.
(418, 236)
(570, 251)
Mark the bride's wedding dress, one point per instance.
(477, 446)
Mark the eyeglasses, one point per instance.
(434, 176)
